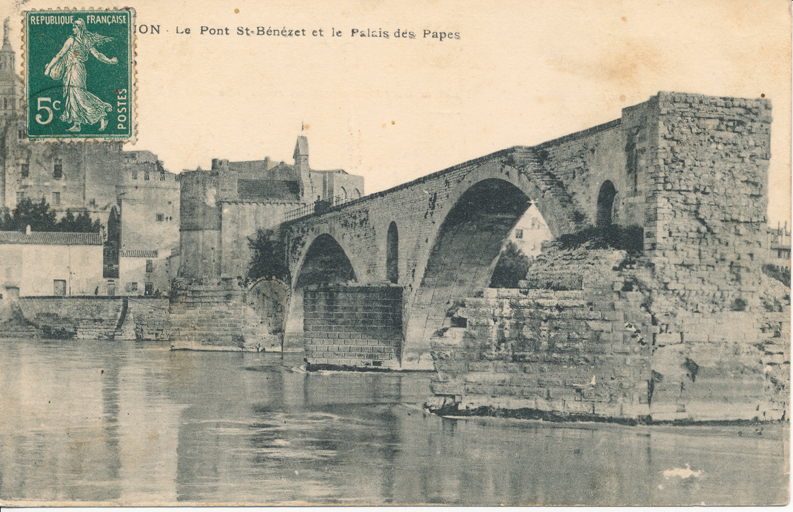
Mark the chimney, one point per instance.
(220, 164)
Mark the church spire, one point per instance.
(6, 35)
(7, 53)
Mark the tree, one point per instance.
(80, 224)
(40, 217)
(269, 257)
(67, 223)
(512, 266)
(84, 224)
(7, 222)
(111, 247)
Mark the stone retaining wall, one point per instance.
(66, 317)
(149, 317)
(87, 318)
(217, 316)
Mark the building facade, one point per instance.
(148, 198)
(223, 207)
(50, 264)
(778, 243)
(530, 232)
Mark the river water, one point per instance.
(135, 423)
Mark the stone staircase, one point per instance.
(531, 163)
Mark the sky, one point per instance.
(395, 109)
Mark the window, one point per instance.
(518, 233)
(21, 134)
(149, 266)
(149, 289)
(57, 170)
(146, 175)
(162, 176)
(160, 217)
(20, 197)
(392, 254)
(56, 199)
(25, 170)
(133, 287)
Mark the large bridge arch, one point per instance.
(559, 212)
(472, 226)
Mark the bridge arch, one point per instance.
(477, 219)
(324, 262)
(605, 204)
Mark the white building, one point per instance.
(778, 243)
(145, 272)
(47, 264)
(530, 232)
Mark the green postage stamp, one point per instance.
(80, 75)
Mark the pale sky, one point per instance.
(395, 109)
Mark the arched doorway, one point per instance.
(392, 254)
(605, 204)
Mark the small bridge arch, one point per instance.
(325, 261)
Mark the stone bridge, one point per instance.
(438, 238)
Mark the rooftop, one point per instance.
(50, 238)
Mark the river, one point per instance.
(135, 423)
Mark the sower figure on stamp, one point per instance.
(80, 107)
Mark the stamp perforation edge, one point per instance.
(133, 74)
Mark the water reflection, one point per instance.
(135, 423)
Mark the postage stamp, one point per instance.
(79, 75)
